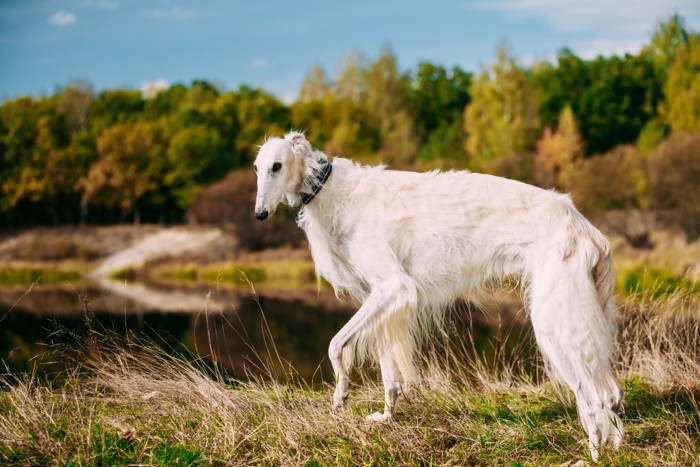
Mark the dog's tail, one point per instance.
(573, 316)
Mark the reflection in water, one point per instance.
(279, 331)
(162, 300)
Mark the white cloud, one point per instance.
(599, 27)
(625, 16)
(259, 63)
(289, 97)
(63, 18)
(151, 88)
(177, 13)
(607, 47)
(104, 4)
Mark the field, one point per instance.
(123, 400)
(127, 401)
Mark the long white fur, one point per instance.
(406, 245)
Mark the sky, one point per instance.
(273, 44)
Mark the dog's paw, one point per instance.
(338, 402)
(379, 417)
(342, 391)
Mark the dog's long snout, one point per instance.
(262, 215)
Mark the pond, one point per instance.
(245, 331)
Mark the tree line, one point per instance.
(617, 132)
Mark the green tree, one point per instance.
(668, 39)
(352, 83)
(501, 120)
(258, 114)
(165, 103)
(197, 106)
(18, 120)
(444, 147)
(113, 107)
(129, 167)
(654, 132)
(613, 98)
(681, 108)
(196, 156)
(356, 133)
(33, 181)
(41, 188)
(314, 111)
(388, 100)
(315, 87)
(560, 85)
(74, 102)
(19, 129)
(623, 96)
(439, 100)
(226, 123)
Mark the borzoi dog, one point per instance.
(406, 245)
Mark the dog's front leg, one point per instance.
(342, 380)
(391, 377)
(385, 299)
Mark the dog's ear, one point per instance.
(300, 145)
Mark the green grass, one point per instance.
(282, 274)
(517, 426)
(120, 403)
(27, 275)
(655, 282)
(236, 274)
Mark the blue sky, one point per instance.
(273, 44)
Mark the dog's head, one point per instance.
(281, 171)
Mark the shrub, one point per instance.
(614, 180)
(230, 203)
(674, 179)
(53, 248)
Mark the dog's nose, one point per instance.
(261, 216)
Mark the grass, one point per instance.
(656, 281)
(17, 274)
(282, 274)
(128, 401)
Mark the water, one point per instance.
(243, 331)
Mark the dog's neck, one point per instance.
(316, 181)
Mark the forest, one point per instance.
(618, 132)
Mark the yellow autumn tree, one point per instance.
(128, 168)
(557, 152)
(500, 119)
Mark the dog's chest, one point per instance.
(330, 249)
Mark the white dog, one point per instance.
(406, 245)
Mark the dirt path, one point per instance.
(162, 244)
(169, 242)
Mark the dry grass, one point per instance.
(131, 402)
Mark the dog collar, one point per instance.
(321, 176)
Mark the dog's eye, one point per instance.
(255, 167)
(276, 167)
